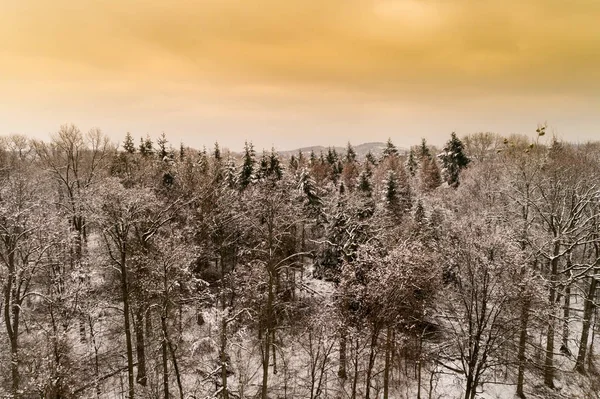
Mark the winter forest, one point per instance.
(147, 269)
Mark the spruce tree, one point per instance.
(162, 146)
(128, 144)
(247, 175)
(350, 156)
(390, 150)
(217, 152)
(454, 160)
(411, 163)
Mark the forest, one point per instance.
(143, 269)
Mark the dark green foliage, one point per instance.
(454, 160)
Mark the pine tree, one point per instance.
(332, 157)
(162, 146)
(293, 163)
(230, 173)
(350, 156)
(274, 166)
(301, 159)
(313, 158)
(146, 146)
(181, 151)
(370, 158)
(411, 163)
(364, 183)
(390, 150)
(390, 192)
(128, 144)
(454, 160)
(424, 150)
(217, 152)
(429, 174)
(247, 174)
(263, 166)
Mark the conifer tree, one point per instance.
(390, 150)
(162, 146)
(429, 174)
(247, 174)
(411, 163)
(424, 150)
(128, 144)
(350, 156)
(146, 146)
(454, 160)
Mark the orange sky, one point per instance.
(300, 72)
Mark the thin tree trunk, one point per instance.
(549, 359)
(165, 358)
(223, 355)
(522, 346)
(386, 371)
(266, 335)
(588, 310)
(175, 366)
(140, 347)
(126, 321)
(372, 356)
(342, 374)
(355, 381)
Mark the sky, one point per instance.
(291, 73)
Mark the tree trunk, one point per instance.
(223, 355)
(386, 371)
(342, 374)
(266, 336)
(126, 322)
(549, 359)
(355, 381)
(140, 347)
(522, 347)
(588, 310)
(372, 356)
(165, 358)
(566, 313)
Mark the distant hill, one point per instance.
(361, 150)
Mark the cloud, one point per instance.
(383, 46)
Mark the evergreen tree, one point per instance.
(128, 144)
(411, 163)
(332, 157)
(203, 161)
(390, 150)
(454, 160)
(350, 156)
(429, 174)
(424, 150)
(217, 152)
(313, 158)
(293, 163)
(364, 183)
(146, 146)
(247, 174)
(370, 158)
(162, 146)
(181, 151)
(301, 159)
(263, 166)
(230, 172)
(274, 165)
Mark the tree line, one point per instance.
(155, 272)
